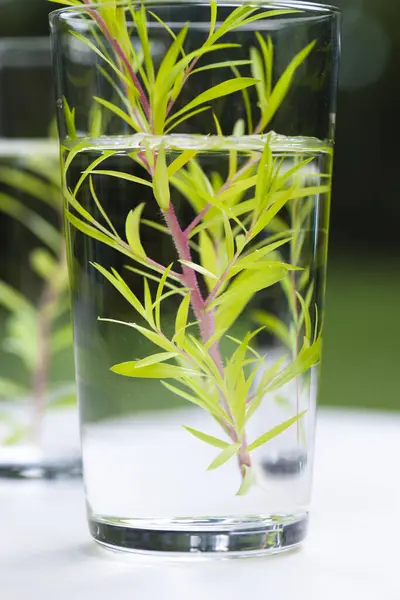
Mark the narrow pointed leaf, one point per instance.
(282, 87)
(181, 161)
(132, 230)
(221, 89)
(156, 371)
(209, 439)
(123, 289)
(155, 359)
(266, 437)
(199, 269)
(248, 481)
(181, 320)
(118, 112)
(160, 180)
(224, 456)
(122, 175)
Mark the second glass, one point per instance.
(197, 143)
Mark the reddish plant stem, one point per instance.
(46, 307)
(121, 54)
(205, 319)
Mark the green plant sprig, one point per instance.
(36, 333)
(225, 230)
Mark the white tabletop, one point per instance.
(352, 552)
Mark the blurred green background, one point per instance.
(362, 329)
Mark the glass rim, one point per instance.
(311, 8)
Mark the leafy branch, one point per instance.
(224, 249)
(36, 333)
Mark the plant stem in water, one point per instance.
(205, 319)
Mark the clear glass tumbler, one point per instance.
(38, 417)
(197, 143)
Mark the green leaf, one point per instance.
(281, 198)
(94, 233)
(282, 87)
(213, 16)
(22, 340)
(126, 80)
(232, 302)
(185, 117)
(257, 70)
(95, 121)
(69, 115)
(208, 439)
(156, 371)
(200, 401)
(160, 180)
(226, 88)
(13, 300)
(121, 175)
(267, 49)
(123, 289)
(101, 209)
(273, 325)
(217, 125)
(307, 358)
(42, 229)
(148, 304)
(139, 16)
(221, 65)
(118, 112)
(181, 161)
(208, 257)
(269, 375)
(17, 435)
(305, 317)
(153, 336)
(224, 456)
(133, 232)
(266, 437)
(199, 269)
(248, 481)
(47, 191)
(240, 241)
(43, 263)
(155, 359)
(249, 282)
(181, 320)
(255, 259)
(160, 289)
(10, 389)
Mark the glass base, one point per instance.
(220, 537)
(47, 469)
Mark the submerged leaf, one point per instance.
(160, 180)
(273, 325)
(132, 230)
(199, 269)
(155, 359)
(181, 320)
(248, 481)
(153, 371)
(224, 456)
(266, 437)
(209, 439)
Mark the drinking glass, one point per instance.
(197, 143)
